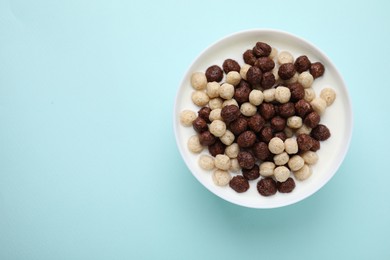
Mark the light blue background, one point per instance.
(89, 168)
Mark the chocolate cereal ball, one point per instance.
(261, 49)
(286, 110)
(268, 80)
(278, 123)
(251, 174)
(254, 76)
(320, 132)
(267, 110)
(214, 73)
(266, 186)
(266, 134)
(239, 184)
(242, 92)
(302, 108)
(297, 91)
(312, 119)
(238, 126)
(204, 113)
(256, 123)
(302, 63)
(317, 69)
(265, 64)
(305, 142)
(199, 125)
(316, 145)
(246, 160)
(246, 139)
(249, 57)
(230, 113)
(281, 135)
(286, 71)
(216, 148)
(286, 186)
(230, 65)
(206, 138)
(260, 151)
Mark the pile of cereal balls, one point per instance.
(259, 120)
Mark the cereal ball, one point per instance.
(282, 94)
(316, 145)
(281, 173)
(320, 132)
(194, 145)
(234, 166)
(266, 134)
(256, 97)
(187, 117)
(291, 145)
(293, 79)
(242, 92)
(267, 110)
(229, 102)
(233, 78)
(226, 91)
(232, 150)
(289, 132)
(276, 145)
(261, 49)
(305, 142)
(267, 169)
(256, 122)
(198, 80)
(261, 151)
(318, 105)
(254, 76)
(276, 75)
(216, 148)
(222, 162)
(239, 184)
(286, 71)
(278, 123)
(304, 129)
(317, 69)
(302, 63)
(310, 157)
(274, 53)
(199, 125)
(206, 162)
(294, 122)
(221, 178)
(238, 126)
(245, 160)
(249, 57)
(215, 103)
(230, 113)
(287, 109)
(305, 79)
(200, 98)
(217, 128)
(265, 64)
(230, 65)
(268, 80)
(204, 113)
(285, 57)
(281, 159)
(214, 73)
(297, 91)
(295, 163)
(281, 135)
(246, 139)
(247, 109)
(303, 173)
(206, 138)
(269, 95)
(251, 174)
(286, 186)
(227, 138)
(215, 114)
(302, 108)
(329, 95)
(244, 70)
(312, 119)
(310, 94)
(212, 89)
(266, 187)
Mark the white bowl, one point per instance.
(338, 117)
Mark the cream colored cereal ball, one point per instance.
(234, 165)
(291, 145)
(269, 95)
(217, 128)
(215, 114)
(221, 177)
(304, 129)
(226, 91)
(310, 157)
(206, 162)
(282, 94)
(293, 79)
(200, 98)
(294, 122)
(247, 109)
(222, 162)
(233, 77)
(227, 138)
(281, 159)
(295, 163)
(305, 79)
(289, 132)
(267, 169)
(281, 173)
(194, 144)
(276, 145)
(285, 57)
(212, 89)
(198, 80)
(318, 105)
(329, 95)
(229, 102)
(187, 117)
(303, 173)
(244, 69)
(232, 150)
(310, 94)
(274, 53)
(215, 103)
(256, 97)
